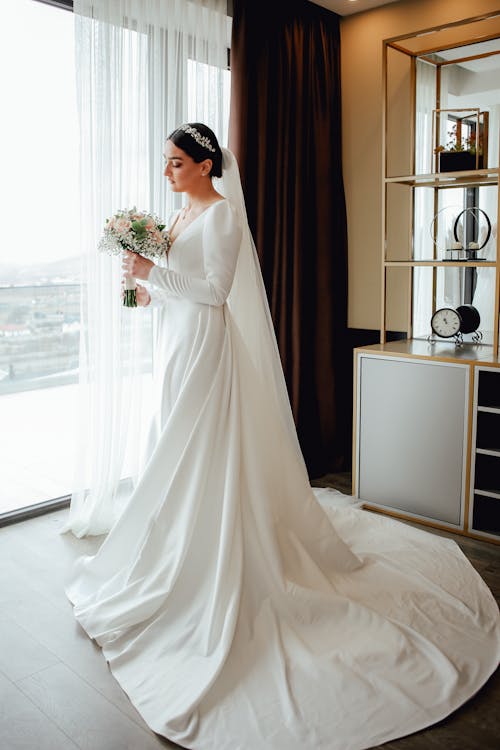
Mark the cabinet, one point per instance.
(413, 436)
(427, 410)
(427, 434)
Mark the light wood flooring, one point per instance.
(56, 690)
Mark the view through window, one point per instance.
(39, 260)
(39, 263)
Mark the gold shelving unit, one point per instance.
(481, 361)
(400, 138)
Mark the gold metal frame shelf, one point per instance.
(403, 225)
(401, 152)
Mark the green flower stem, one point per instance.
(130, 298)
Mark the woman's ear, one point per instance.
(206, 166)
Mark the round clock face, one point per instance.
(445, 322)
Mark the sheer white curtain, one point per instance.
(143, 67)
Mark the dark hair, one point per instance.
(187, 137)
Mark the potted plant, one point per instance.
(461, 153)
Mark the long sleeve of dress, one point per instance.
(157, 297)
(221, 240)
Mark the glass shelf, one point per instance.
(442, 263)
(414, 290)
(449, 179)
(434, 226)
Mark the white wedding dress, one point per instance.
(235, 610)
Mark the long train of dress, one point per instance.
(235, 610)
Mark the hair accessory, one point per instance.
(200, 139)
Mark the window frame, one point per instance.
(64, 4)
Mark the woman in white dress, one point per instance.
(236, 610)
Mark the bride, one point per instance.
(236, 610)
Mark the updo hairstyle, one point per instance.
(200, 143)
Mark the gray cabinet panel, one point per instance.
(412, 436)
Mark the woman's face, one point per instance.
(182, 172)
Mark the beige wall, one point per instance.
(361, 45)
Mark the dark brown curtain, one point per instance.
(285, 131)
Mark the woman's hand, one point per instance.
(136, 265)
(142, 295)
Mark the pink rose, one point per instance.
(122, 225)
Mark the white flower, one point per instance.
(119, 234)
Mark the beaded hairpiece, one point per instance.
(200, 139)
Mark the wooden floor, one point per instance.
(56, 691)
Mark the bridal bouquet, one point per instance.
(138, 232)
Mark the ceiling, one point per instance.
(348, 7)
(480, 65)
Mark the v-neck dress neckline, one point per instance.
(191, 223)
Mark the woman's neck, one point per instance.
(202, 197)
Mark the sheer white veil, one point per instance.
(250, 311)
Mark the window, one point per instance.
(40, 264)
(39, 267)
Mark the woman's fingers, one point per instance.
(130, 263)
(136, 265)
